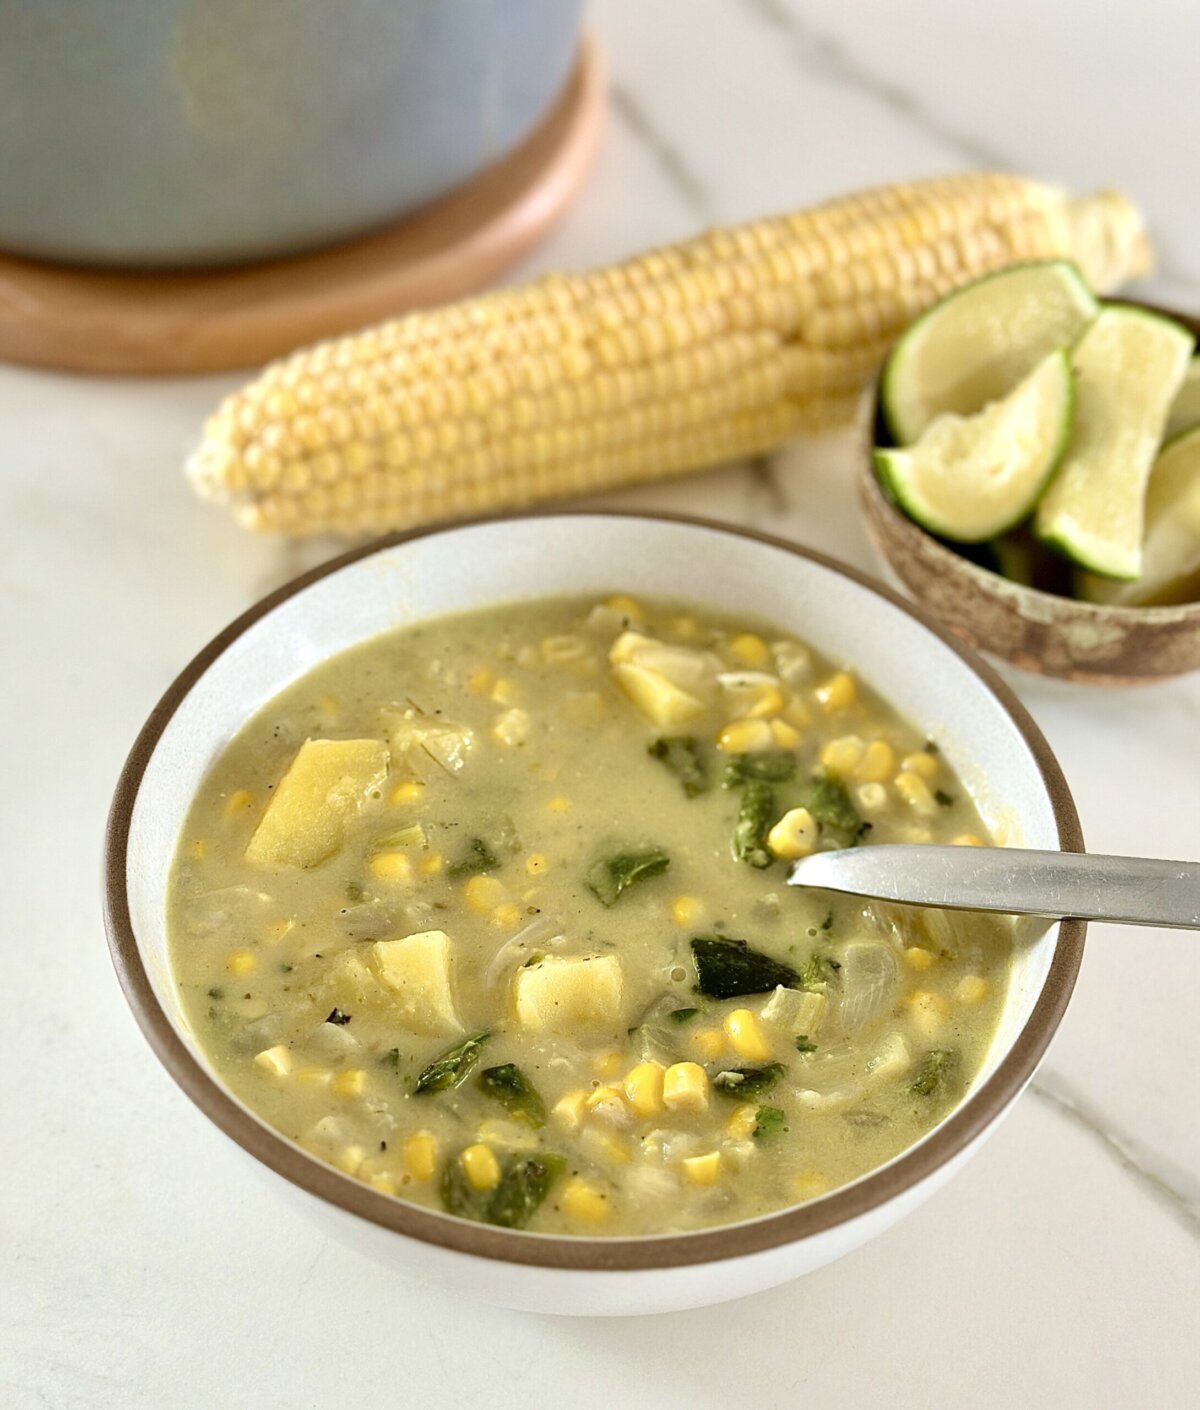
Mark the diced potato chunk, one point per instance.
(417, 970)
(670, 685)
(662, 702)
(685, 1087)
(349, 984)
(317, 798)
(800, 1010)
(568, 996)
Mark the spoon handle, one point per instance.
(1131, 890)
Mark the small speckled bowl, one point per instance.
(1037, 631)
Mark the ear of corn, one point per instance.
(717, 348)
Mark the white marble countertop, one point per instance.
(141, 1268)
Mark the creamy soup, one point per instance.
(490, 913)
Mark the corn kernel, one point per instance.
(709, 1042)
(536, 863)
(685, 627)
(970, 988)
(808, 1184)
(606, 1091)
(967, 839)
(383, 1182)
(644, 1088)
(628, 607)
(687, 910)
(607, 1103)
(349, 1083)
(768, 702)
(915, 792)
(240, 801)
(746, 1036)
(505, 692)
(329, 707)
(316, 1077)
(393, 867)
(745, 737)
(743, 1121)
(837, 693)
(702, 1169)
(484, 893)
(609, 1064)
(479, 680)
(685, 1087)
(481, 1167)
(917, 958)
(842, 756)
(922, 763)
(750, 650)
(878, 762)
(784, 735)
(277, 1060)
(199, 849)
(432, 864)
(241, 962)
(506, 916)
(420, 1155)
(349, 1159)
(559, 804)
(583, 1202)
(568, 1110)
(794, 835)
(407, 792)
(928, 1011)
(277, 929)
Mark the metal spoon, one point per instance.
(1131, 890)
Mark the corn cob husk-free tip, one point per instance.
(708, 351)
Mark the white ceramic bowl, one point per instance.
(984, 732)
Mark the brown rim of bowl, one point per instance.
(556, 1251)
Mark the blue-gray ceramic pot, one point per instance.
(162, 133)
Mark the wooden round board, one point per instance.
(88, 320)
